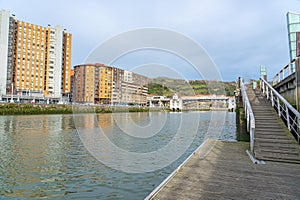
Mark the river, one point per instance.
(103, 156)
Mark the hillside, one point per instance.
(167, 87)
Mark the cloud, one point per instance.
(239, 35)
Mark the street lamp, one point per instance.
(12, 92)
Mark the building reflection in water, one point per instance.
(43, 156)
(33, 153)
(91, 121)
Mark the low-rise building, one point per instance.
(157, 101)
(206, 102)
(176, 103)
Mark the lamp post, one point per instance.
(12, 92)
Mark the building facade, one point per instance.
(101, 84)
(34, 60)
(71, 85)
(293, 24)
(133, 85)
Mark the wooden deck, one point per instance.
(227, 172)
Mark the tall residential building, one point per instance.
(34, 60)
(293, 23)
(5, 46)
(101, 84)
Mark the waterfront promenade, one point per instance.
(226, 172)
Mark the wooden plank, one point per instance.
(226, 172)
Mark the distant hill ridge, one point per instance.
(167, 87)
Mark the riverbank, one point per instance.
(39, 109)
(35, 109)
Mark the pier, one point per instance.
(226, 172)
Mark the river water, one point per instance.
(104, 156)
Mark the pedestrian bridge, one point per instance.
(287, 82)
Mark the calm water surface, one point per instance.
(44, 157)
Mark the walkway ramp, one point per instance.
(272, 139)
(228, 173)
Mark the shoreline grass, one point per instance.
(40, 109)
(36, 109)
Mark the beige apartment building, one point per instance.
(101, 84)
(34, 60)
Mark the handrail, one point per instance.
(248, 114)
(284, 72)
(284, 109)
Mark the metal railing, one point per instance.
(248, 114)
(286, 111)
(284, 72)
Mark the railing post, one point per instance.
(272, 98)
(263, 87)
(278, 107)
(287, 117)
(248, 123)
(252, 139)
(267, 93)
(275, 79)
(279, 78)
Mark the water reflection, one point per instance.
(32, 147)
(42, 156)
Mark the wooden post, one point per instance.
(297, 93)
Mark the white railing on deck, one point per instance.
(248, 115)
(285, 110)
(284, 72)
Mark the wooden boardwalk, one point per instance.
(272, 140)
(227, 172)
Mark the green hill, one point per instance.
(167, 87)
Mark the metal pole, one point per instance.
(278, 107)
(12, 92)
(287, 117)
(272, 98)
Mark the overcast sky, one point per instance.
(238, 36)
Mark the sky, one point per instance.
(237, 36)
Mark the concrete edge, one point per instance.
(165, 182)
